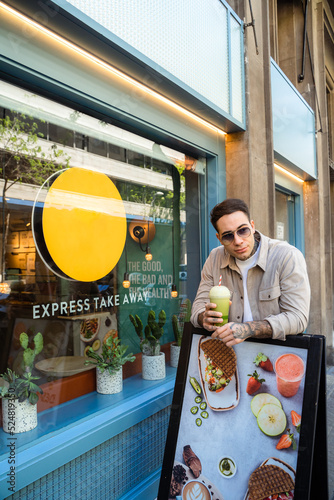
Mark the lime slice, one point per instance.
(96, 344)
(85, 351)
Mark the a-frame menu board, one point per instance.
(231, 438)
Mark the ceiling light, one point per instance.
(174, 293)
(148, 255)
(126, 282)
(286, 172)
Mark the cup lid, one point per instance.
(219, 291)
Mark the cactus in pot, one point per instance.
(153, 333)
(179, 320)
(150, 343)
(29, 354)
(153, 361)
(138, 325)
(22, 387)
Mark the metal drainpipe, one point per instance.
(302, 75)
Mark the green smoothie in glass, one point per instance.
(221, 295)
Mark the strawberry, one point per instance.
(254, 383)
(296, 420)
(264, 362)
(286, 440)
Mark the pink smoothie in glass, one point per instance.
(289, 370)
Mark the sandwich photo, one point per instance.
(217, 365)
(221, 364)
(269, 482)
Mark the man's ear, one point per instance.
(253, 225)
(217, 235)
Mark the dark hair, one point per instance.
(226, 207)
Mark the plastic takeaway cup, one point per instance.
(221, 296)
(289, 370)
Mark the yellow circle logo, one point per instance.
(84, 225)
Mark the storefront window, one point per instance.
(62, 273)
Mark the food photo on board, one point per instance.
(240, 422)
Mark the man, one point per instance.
(268, 280)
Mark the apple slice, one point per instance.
(262, 399)
(271, 419)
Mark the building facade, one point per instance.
(171, 108)
(297, 39)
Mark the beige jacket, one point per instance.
(278, 286)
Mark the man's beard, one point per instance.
(255, 247)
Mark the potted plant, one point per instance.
(109, 365)
(153, 360)
(20, 393)
(178, 325)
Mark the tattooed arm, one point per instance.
(257, 329)
(234, 333)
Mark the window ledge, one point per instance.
(67, 431)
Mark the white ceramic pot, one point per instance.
(153, 367)
(174, 355)
(107, 383)
(18, 417)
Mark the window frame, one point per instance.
(290, 187)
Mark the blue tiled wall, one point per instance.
(108, 471)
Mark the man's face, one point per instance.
(241, 247)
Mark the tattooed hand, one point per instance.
(208, 318)
(234, 333)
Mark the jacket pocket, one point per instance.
(271, 293)
(269, 301)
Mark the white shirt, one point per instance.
(245, 266)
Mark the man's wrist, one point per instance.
(253, 329)
(200, 318)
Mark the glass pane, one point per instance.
(97, 147)
(76, 223)
(79, 140)
(61, 135)
(178, 36)
(116, 152)
(135, 159)
(284, 217)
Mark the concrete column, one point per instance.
(290, 21)
(249, 155)
(317, 197)
(273, 25)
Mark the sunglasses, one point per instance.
(242, 232)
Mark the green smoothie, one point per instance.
(220, 295)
